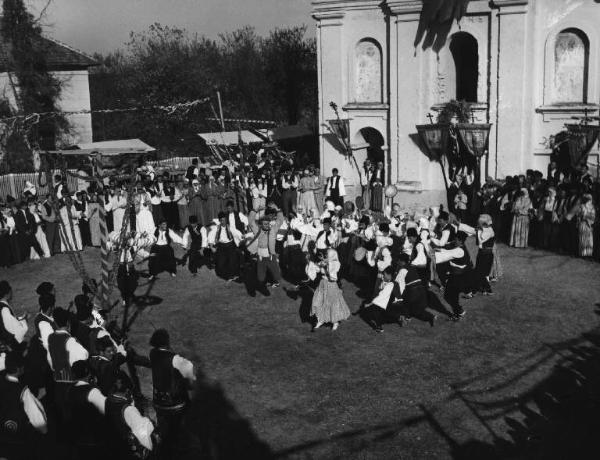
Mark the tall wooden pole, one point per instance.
(221, 111)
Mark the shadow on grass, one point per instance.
(556, 418)
(216, 430)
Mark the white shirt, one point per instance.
(446, 255)
(46, 329)
(185, 368)
(385, 258)
(401, 279)
(243, 219)
(421, 258)
(286, 185)
(141, 427)
(383, 296)
(213, 238)
(16, 327)
(321, 241)
(161, 239)
(331, 183)
(33, 408)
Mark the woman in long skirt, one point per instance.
(182, 206)
(319, 189)
(519, 232)
(328, 304)
(144, 220)
(306, 197)
(93, 210)
(485, 255)
(586, 217)
(40, 236)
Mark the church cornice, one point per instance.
(505, 3)
(330, 6)
(397, 7)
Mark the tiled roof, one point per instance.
(58, 55)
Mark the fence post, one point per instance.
(13, 188)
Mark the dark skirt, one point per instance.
(484, 262)
(5, 252)
(295, 263)
(227, 261)
(162, 259)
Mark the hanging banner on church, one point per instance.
(581, 140)
(475, 137)
(435, 137)
(341, 128)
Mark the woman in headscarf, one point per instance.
(306, 197)
(519, 232)
(586, 216)
(328, 304)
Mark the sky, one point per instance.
(104, 25)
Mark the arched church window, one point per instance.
(465, 52)
(571, 55)
(369, 86)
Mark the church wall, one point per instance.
(549, 18)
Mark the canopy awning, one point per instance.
(284, 132)
(127, 145)
(230, 138)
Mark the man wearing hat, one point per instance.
(262, 247)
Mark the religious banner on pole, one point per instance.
(435, 138)
(581, 140)
(475, 137)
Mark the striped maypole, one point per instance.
(104, 256)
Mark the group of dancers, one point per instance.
(72, 390)
(395, 258)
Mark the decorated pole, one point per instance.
(104, 291)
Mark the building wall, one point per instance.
(516, 48)
(75, 96)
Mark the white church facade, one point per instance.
(528, 66)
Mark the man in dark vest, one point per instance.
(85, 407)
(38, 374)
(22, 417)
(195, 240)
(26, 228)
(132, 435)
(12, 328)
(172, 377)
(460, 275)
(223, 241)
(63, 351)
(334, 189)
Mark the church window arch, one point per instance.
(570, 56)
(368, 71)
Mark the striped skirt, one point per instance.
(519, 232)
(328, 303)
(586, 239)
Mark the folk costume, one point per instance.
(162, 255)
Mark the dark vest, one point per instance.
(57, 346)
(189, 175)
(167, 235)
(14, 423)
(461, 265)
(238, 222)
(85, 422)
(487, 245)
(115, 409)
(412, 276)
(334, 184)
(195, 236)
(321, 233)
(169, 385)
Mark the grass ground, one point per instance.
(458, 390)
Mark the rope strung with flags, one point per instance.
(170, 109)
(244, 120)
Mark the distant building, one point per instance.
(71, 67)
(529, 65)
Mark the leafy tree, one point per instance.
(34, 87)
